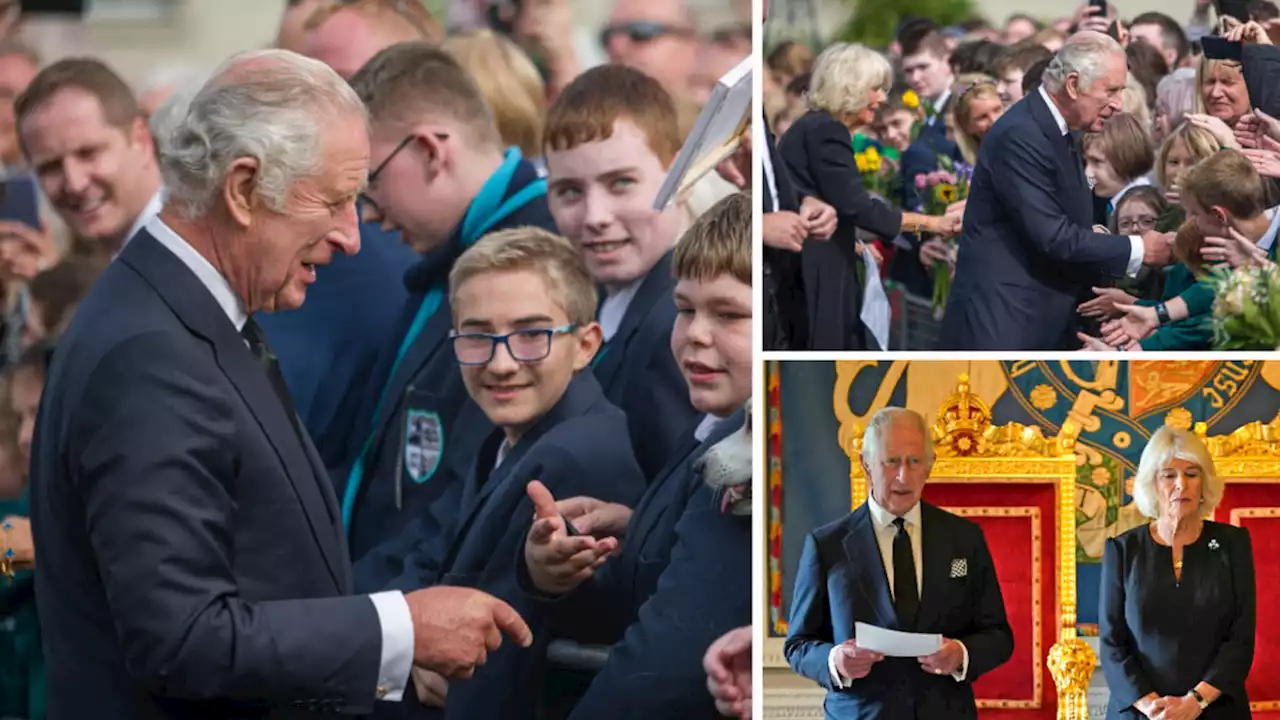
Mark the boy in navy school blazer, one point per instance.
(524, 331)
(611, 136)
(683, 575)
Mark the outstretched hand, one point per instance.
(728, 666)
(455, 628)
(557, 561)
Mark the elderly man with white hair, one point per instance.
(201, 567)
(1029, 251)
(897, 562)
(1178, 602)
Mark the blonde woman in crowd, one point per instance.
(977, 107)
(510, 84)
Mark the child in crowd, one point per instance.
(610, 139)
(683, 576)
(1118, 158)
(524, 334)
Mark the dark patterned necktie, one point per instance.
(252, 333)
(906, 596)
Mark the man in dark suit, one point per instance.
(897, 563)
(1028, 253)
(202, 571)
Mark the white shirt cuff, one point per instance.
(836, 680)
(960, 674)
(1136, 253)
(397, 644)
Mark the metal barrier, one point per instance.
(914, 326)
(576, 656)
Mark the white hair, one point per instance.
(1084, 54)
(843, 75)
(269, 105)
(170, 113)
(873, 438)
(1166, 444)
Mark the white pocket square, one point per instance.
(959, 568)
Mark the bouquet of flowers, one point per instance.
(1246, 308)
(877, 171)
(941, 188)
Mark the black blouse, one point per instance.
(1164, 635)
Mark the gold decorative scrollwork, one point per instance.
(1071, 663)
(1252, 440)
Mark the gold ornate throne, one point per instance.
(1248, 461)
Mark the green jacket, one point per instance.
(1195, 332)
(21, 660)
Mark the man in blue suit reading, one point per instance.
(1028, 253)
(899, 563)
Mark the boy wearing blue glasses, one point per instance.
(524, 331)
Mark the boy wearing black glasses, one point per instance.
(524, 330)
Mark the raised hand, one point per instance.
(1136, 323)
(1250, 33)
(1236, 250)
(1266, 162)
(24, 252)
(1225, 136)
(455, 628)
(1104, 305)
(557, 561)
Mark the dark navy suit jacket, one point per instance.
(201, 571)
(578, 448)
(427, 393)
(1027, 254)
(328, 347)
(639, 374)
(841, 580)
(683, 578)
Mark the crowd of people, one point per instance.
(358, 373)
(1148, 229)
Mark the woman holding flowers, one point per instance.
(849, 84)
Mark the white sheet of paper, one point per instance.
(717, 125)
(875, 304)
(895, 643)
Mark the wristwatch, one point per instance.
(1199, 699)
(1162, 314)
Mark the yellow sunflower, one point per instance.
(947, 193)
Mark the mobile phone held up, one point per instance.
(19, 201)
(1217, 47)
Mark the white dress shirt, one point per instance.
(153, 208)
(614, 308)
(938, 105)
(392, 609)
(885, 531)
(1136, 249)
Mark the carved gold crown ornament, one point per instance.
(970, 448)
